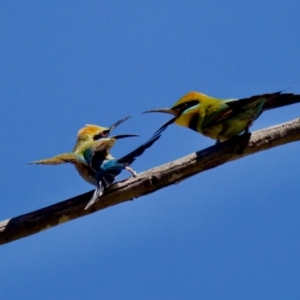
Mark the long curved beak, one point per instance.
(116, 124)
(122, 136)
(176, 113)
(170, 111)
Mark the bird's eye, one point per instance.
(101, 135)
(97, 137)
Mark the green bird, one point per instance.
(220, 119)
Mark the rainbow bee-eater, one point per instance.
(87, 139)
(92, 158)
(219, 119)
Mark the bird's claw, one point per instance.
(134, 173)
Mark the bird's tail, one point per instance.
(273, 100)
(106, 180)
(278, 100)
(97, 194)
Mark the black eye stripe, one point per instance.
(186, 105)
(97, 137)
(101, 135)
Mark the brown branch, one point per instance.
(150, 181)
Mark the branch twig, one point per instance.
(150, 181)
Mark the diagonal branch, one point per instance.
(150, 181)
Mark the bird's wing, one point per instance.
(99, 151)
(217, 114)
(66, 158)
(130, 157)
(229, 108)
(61, 159)
(102, 145)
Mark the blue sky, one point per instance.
(229, 233)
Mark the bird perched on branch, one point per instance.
(92, 159)
(222, 119)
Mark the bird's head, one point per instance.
(188, 102)
(94, 132)
(183, 110)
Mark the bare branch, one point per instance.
(150, 181)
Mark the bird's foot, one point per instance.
(246, 131)
(241, 146)
(239, 150)
(134, 173)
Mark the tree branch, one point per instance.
(150, 181)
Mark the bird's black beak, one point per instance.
(176, 110)
(106, 133)
(122, 136)
(176, 113)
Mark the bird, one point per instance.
(88, 138)
(103, 168)
(220, 119)
(92, 159)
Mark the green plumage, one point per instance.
(222, 119)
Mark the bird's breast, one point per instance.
(87, 174)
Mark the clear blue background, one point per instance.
(229, 233)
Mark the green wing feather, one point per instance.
(216, 114)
